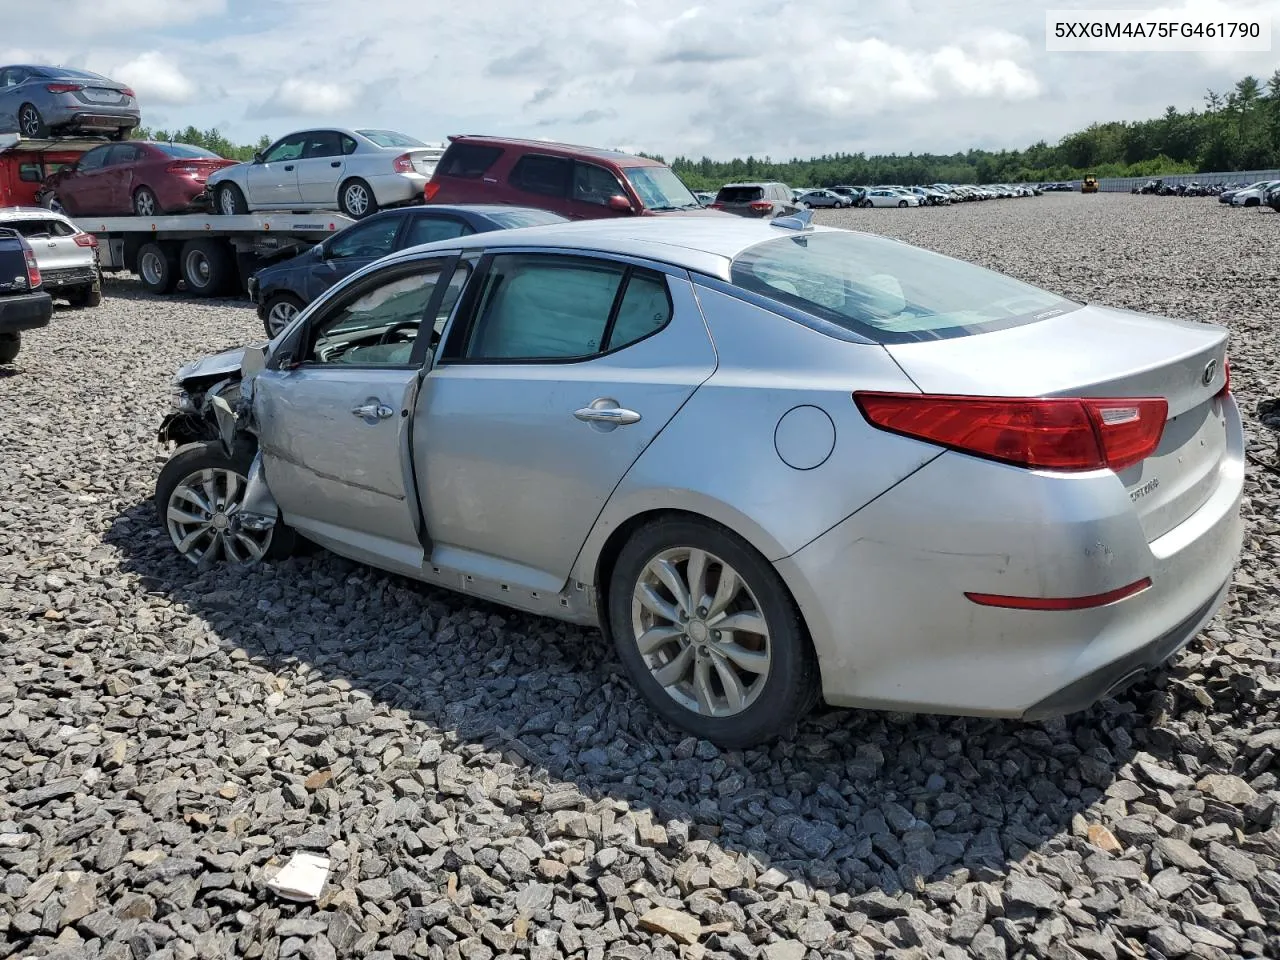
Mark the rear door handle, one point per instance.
(373, 411)
(606, 412)
(335, 163)
(288, 166)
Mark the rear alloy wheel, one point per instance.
(30, 123)
(145, 203)
(158, 267)
(356, 199)
(903, 203)
(709, 634)
(231, 201)
(199, 494)
(281, 310)
(207, 268)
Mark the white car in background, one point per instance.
(886, 197)
(66, 255)
(355, 171)
(1253, 195)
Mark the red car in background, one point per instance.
(135, 178)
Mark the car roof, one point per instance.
(30, 213)
(550, 146)
(698, 243)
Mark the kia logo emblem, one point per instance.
(1210, 371)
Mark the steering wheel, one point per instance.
(391, 331)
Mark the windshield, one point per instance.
(660, 189)
(185, 151)
(510, 219)
(888, 291)
(389, 138)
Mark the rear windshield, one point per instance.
(41, 228)
(888, 291)
(184, 151)
(510, 219)
(65, 72)
(467, 160)
(389, 138)
(739, 194)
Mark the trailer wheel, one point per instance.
(207, 267)
(158, 267)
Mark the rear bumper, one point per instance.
(93, 118)
(394, 188)
(26, 311)
(883, 593)
(62, 277)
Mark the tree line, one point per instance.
(1236, 130)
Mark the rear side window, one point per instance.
(467, 160)
(547, 176)
(739, 194)
(430, 229)
(536, 307)
(888, 291)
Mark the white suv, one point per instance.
(66, 255)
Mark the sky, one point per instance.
(721, 78)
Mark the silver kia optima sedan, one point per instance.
(770, 460)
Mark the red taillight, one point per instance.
(429, 192)
(33, 270)
(64, 87)
(180, 166)
(1060, 603)
(1050, 434)
(715, 205)
(1226, 373)
(128, 91)
(403, 163)
(760, 206)
(86, 240)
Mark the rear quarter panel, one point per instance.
(719, 456)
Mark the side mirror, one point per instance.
(257, 156)
(620, 203)
(318, 252)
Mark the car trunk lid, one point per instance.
(199, 168)
(103, 94)
(425, 160)
(1105, 353)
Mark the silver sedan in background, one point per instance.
(357, 172)
(770, 460)
(40, 102)
(823, 198)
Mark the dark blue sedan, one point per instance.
(282, 289)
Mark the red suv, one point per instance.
(582, 183)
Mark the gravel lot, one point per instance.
(485, 783)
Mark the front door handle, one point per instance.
(289, 166)
(606, 412)
(373, 411)
(335, 163)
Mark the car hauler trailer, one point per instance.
(212, 255)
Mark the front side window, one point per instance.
(546, 176)
(592, 184)
(379, 326)
(374, 239)
(543, 307)
(93, 160)
(290, 148)
(888, 291)
(123, 153)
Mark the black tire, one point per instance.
(279, 300)
(229, 201)
(87, 296)
(208, 268)
(839, 204)
(50, 201)
(902, 203)
(866, 204)
(146, 203)
(348, 195)
(1252, 202)
(210, 454)
(791, 687)
(30, 124)
(10, 346)
(158, 267)
(120, 134)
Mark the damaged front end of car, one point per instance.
(213, 402)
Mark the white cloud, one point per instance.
(724, 77)
(156, 79)
(298, 97)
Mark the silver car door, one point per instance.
(274, 180)
(334, 415)
(556, 374)
(320, 168)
